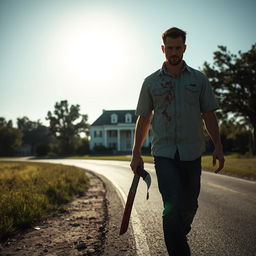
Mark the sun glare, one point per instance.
(97, 55)
(95, 50)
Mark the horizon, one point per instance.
(97, 56)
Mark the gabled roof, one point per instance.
(105, 118)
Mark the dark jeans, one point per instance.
(179, 185)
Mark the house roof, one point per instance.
(105, 118)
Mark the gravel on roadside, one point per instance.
(88, 227)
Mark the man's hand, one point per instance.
(218, 155)
(212, 128)
(136, 162)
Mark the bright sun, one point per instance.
(95, 50)
(98, 54)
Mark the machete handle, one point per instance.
(127, 213)
(130, 199)
(129, 203)
(141, 172)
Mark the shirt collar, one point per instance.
(163, 70)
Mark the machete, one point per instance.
(132, 192)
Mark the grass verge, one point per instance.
(235, 165)
(31, 191)
(147, 159)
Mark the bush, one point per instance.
(83, 148)
(102, 150)
(43, 149)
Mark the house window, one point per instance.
(128, 118)
(114, 118)
(98, 144)
(97, 134)
(112, 134)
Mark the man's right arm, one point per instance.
(141, 132)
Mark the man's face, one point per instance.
(173, 50)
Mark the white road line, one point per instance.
(142, 248)
(224, 188)
(248, 197)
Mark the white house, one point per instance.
(115, 129)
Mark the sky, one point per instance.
(97, 53)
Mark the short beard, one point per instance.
(175, 63)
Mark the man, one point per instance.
(175, 99)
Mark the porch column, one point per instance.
(118, 140)
(105, 132)
(132, 139)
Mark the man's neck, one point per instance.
(175, 70)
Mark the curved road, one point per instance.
(225, 223)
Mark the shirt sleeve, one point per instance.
(207, 99)
(145, 103)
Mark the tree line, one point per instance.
(66, 134)
(232, 77)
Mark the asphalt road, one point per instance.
(225, 223)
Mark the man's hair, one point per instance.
(174, 33)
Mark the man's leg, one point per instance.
(191, 179)
(171, 189)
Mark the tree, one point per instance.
(43, 149)
(233, 79)
(10, 138)
(34, 133)
(235, 138)
(66, 124)
(83, 147)
(3, 122)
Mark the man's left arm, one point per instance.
(212, 128)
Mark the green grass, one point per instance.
(31, 191)
(235, 165)
(148, 159)
(118, 158)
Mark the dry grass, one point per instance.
(235, 165)
(148, 159)
(30, 191)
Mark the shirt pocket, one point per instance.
(192, 92)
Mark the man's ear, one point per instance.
(163, 49)
(185, 47)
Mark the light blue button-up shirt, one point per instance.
(177, 104)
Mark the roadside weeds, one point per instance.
(79, 230)
(88, 227)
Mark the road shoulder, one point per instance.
(116, 245)
(88, 226)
